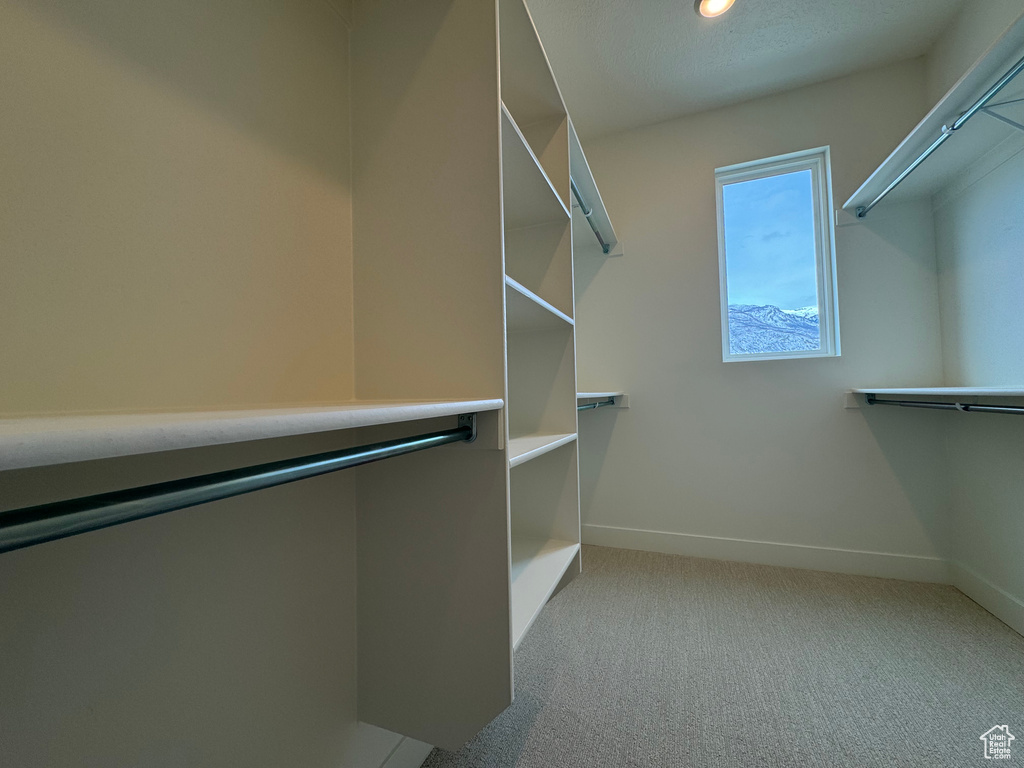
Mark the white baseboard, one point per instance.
(408, 754)
(882, 564)
(993, 599)
(378, 748)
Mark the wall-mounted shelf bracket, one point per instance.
(1012, 123)
(468, 420)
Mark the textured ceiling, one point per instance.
(626, 63)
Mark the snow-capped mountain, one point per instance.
(810, 312)
(766, 328)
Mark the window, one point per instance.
(776, 259)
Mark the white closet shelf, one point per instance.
(967, 145)
(529, 196)
(580, 171)
(36, 442)
(1006, 391)
(537, 567)
(526, 311)
(522, 449)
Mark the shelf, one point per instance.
(522, 449)
(36, 442)
(981, 134)
(529, 196)
(580, 171)
(526, 311)
(537, 567)
(1004, 391)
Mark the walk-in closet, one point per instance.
(511, 383)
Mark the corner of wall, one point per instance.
(978, 24)
(345, 9)
(375, 747)
(1006, 607)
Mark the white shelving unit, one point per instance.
(540, 340)
(454, 297)
(963, 156)
(991, 136)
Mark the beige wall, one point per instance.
(980, 244)
(763, 451)
(979, 235)
(223, 635)
(986, 454)
(176, 221)
(175, 232)
(968, 36)
(980, 239)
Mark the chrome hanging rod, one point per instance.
(588, 406)
(48, 522)
(964, 407)
(947, 131)
(587, 211)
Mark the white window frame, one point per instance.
(817, 161)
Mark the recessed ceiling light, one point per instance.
(712, 8)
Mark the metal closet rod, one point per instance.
(947, 131)
(966, 408)
(586, 212)
(588, 406)
(48, 522)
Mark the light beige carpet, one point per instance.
(652, 661)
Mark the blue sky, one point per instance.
(769, 241)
